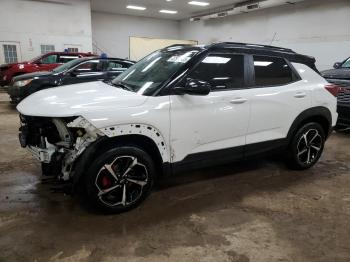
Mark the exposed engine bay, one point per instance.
(57, 142)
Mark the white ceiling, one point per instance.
(153, 6)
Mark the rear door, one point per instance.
(87, 71)
(277, 97)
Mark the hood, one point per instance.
(78, 99)
(14, 64)
(341, 73)
(32, 75)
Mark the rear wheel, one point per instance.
(306, 147)
(120, 179)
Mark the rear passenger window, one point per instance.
(272, 71)
(224, 71)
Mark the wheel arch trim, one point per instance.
(140, 129)
(313, 112)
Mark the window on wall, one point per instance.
(47, 49)
(10, 53)
(73, 49)
(272, 71)
(222, 71)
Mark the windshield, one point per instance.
(151, 72)
(346, 64)
(68, 65)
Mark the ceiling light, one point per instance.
(135, 7)
(198, 3)
(168, 11)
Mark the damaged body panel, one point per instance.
(57, 142)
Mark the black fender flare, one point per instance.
(314, 112)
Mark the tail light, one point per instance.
(334, 89)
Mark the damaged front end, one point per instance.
(57, 142)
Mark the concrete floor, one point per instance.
(252, 211)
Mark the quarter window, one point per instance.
(272, 71)
(222, 71)
(10, 54)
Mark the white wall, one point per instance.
(111, 32)
(32, 23)
(320, 28)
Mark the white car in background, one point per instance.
(180, 107)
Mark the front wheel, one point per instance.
(120, 179)
(306, 147)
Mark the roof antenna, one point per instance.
(273, 38)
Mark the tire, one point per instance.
(111, 188)
(306, 146)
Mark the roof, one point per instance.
(256, 49)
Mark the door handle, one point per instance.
(300, 95)
(238, 100)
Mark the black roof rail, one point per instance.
(246, 45)
(175, 45)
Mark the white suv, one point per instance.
(181, 107)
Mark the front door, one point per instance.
(212, 128)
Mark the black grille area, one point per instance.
(344, 97)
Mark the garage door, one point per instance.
(139, 47)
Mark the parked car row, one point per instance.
(79, 70)
(45, 62)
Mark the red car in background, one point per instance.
(45, 62)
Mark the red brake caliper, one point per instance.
(106, 182)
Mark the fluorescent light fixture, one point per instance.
(198, 3)
(168, 11)
(216, 60)
(262, 63)
(136, 7)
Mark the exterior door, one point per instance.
(277, 98)
(212, 127)
(88, 71)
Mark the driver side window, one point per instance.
(221, 71)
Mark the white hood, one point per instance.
(75, 100)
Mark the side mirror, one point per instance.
(194, 87)
(337, 65)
